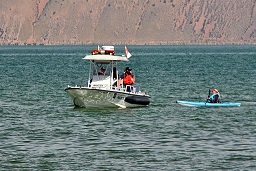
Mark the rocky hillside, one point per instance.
(127, 21)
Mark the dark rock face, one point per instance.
(127, 21)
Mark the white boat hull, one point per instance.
(102, 98)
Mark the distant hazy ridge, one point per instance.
(127, 21)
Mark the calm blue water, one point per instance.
(41, 130)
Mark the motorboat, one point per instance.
(102, 88)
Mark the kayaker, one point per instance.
(215, 97)
(127, 77)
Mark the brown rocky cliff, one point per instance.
(127, 21)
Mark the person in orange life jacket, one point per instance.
(127, 77)
(215, 97)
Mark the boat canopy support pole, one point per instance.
(89, 78)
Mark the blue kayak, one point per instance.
(205, 104)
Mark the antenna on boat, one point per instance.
(127, 53)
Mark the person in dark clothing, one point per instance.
(102, 71)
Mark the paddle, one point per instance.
(208, 96)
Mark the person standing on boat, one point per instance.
(127, 77)
(215, 97)
(102, 71)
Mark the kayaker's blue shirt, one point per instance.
(214, 98)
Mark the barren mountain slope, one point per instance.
(127, 21)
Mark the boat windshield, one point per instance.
(102, 74)
(101, 69)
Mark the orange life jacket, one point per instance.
(128, 79)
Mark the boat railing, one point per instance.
(128, 88)
(104, 84)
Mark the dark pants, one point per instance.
(128, 87)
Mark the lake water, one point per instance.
(41, 130)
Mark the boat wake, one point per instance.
(248, 103)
